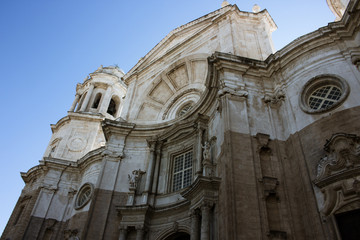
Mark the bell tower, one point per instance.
(100, 96)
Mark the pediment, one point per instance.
(181, 35)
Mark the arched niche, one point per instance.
(183, 82)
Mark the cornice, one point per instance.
(82, 116)
(330, 34)
(213, 16)
(61, 164)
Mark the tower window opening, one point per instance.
(96, 100)
(112, 107)
(81, 102)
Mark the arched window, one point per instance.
(185, 109)
(84, 195)
(97, 100)
(113, 106)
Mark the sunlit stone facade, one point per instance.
(211, 135)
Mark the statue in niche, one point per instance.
(206, 151)
(134, 178)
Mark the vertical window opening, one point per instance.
(81, 102)
(112, 107)
(97, 100)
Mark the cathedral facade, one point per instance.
(209, 136)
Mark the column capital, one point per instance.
(206, 205)
(151, 145)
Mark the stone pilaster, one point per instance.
(105, 100)
(205, 221)
(123, 233)
(199, 151)
(157, 166)
(139, 232)
(195, 221)
(76, 100)
(150, 171)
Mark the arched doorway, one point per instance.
(178, 236)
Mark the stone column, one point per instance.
(105, 100)
(123, 233)
(87, 98)
(139, 233)
(205, 221)
(195, 219)
(76, 100)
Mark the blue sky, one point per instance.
(47, 47)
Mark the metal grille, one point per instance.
(84, 196)
(324, 97)
(182, 175)
(185, 109)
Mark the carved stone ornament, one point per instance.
(270, 184)
(274, 98)
(240, 92)
(343, 153)
(71, 234)
(134, 178)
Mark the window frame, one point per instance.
(81, 191)
(316, 83)
(172, 170)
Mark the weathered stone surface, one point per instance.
(209, 136)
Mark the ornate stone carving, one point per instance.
(275, 98)
(270, 184)
(77, 143)
(240, 92)
(343, 152)
(263, 140)
(134, 178)
(355, 59)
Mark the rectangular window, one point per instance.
(182, 175)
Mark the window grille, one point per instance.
(323, 97)
(182, 175)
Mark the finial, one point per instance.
(256, 8)
(225, 3)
